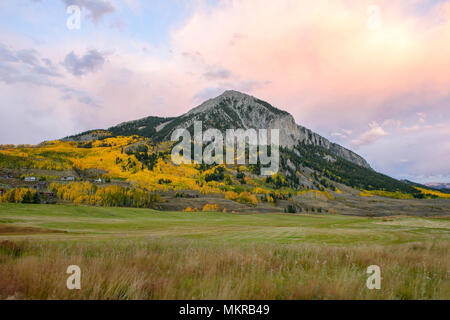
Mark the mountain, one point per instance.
(231, 110)
(438, 185)
(137, 154)
(306, 158)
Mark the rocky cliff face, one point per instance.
(233, 110)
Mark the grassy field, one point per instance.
(129, 253)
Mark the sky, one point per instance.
(373, 76)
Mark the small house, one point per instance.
(99, 180)
(69, 178)
(30, 179)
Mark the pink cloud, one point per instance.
(322, 53)
(315, 59)
(370, 136)
(415, 128)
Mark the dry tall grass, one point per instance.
(187, 269)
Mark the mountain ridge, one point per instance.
(230, 110)
(138, 153)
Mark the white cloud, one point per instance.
(370, 136)
(342, 134)
(391, 123)
(338, 135)
(347, 132)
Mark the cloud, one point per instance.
(391, 123)
(338, 135)
(415, 128)
(347, 132)
(80, 95)
(422, 128)
(238, 85)
(6, 55)
(328, 68)
(426, 150)
(97, 9)
(373, 134)
(208, 93)
(421, 116)
(217, 73)
(315, 59)
(92, 61)
(342, 134)
(28, 56)
(323, 60)
(25, 66)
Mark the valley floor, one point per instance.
(127, 253)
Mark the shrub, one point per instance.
(211, 207)
(231, 195)
(244, 197)
(241, 177)
(290, 209)
(216, 175)
(227, 180)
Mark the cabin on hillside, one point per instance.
(69, 178)
(30, 179)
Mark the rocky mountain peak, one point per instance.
(238, 101)
(235, 110)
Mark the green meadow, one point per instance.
(127, 253)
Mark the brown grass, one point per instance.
(11, 229)
(182, 269)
